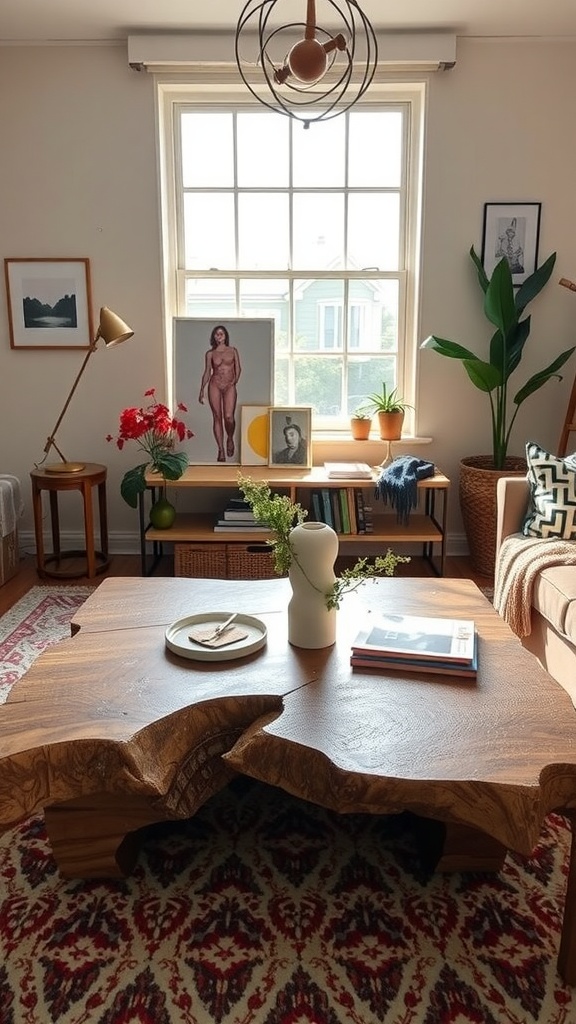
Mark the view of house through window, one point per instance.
(312, 228)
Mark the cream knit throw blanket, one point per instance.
(519, 562)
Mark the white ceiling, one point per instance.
(53, 20)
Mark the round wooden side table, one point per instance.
(88, 561)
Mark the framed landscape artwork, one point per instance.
(291, 436)
(219, 367)
(49, 303)
(511, 231)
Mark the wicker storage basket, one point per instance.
(200, 560)
(224, 561)
(249, 562)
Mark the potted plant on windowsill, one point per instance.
(391, 408)
(504, 308)
(361, 424)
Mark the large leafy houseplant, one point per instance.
(504, 308)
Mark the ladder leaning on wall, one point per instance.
(569, 426)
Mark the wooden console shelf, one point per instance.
(425, 525)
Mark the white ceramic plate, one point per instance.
(178, 639)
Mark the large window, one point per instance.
(317, 228)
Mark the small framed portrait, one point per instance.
(49, 303)
(254, 435)
(290, 436)
(511, 231)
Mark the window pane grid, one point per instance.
(337, 250)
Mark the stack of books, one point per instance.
(413, 643)
(238, 517)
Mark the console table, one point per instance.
(427, 524)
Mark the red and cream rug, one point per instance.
(39, 619)
(264, 909)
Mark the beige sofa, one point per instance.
(553, 615)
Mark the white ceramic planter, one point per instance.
(310, 623)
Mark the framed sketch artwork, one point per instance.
(49, 303)
(511, 231)
(290, 436)
(219, 367)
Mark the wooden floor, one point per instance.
(129, 565)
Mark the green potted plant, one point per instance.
(391, 408)
(361, 424)
(504, 308)
(281, 515)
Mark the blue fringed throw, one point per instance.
(398, 484)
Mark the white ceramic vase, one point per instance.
(310, 623)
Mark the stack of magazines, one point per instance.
(413, 643)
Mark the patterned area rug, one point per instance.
(264, 909)
(39, 619)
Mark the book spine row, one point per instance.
(343, 508)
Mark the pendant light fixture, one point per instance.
(308, 72)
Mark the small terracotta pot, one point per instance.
(390, 425)
(360, 428)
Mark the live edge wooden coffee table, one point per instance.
(109, 731)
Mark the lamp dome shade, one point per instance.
(112, 328)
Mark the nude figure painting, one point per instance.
(219, 366)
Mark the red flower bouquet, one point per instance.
(156, 432)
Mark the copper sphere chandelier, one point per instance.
(292, 71)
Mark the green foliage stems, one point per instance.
(281, 515)
(361, 571)
(278, 513)
(388, 401)
(170, 464)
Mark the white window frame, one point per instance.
(170, 95)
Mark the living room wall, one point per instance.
(78, 171)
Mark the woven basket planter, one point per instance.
(478, 483)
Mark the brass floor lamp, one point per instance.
(113, 331)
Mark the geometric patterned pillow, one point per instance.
(553, 492)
